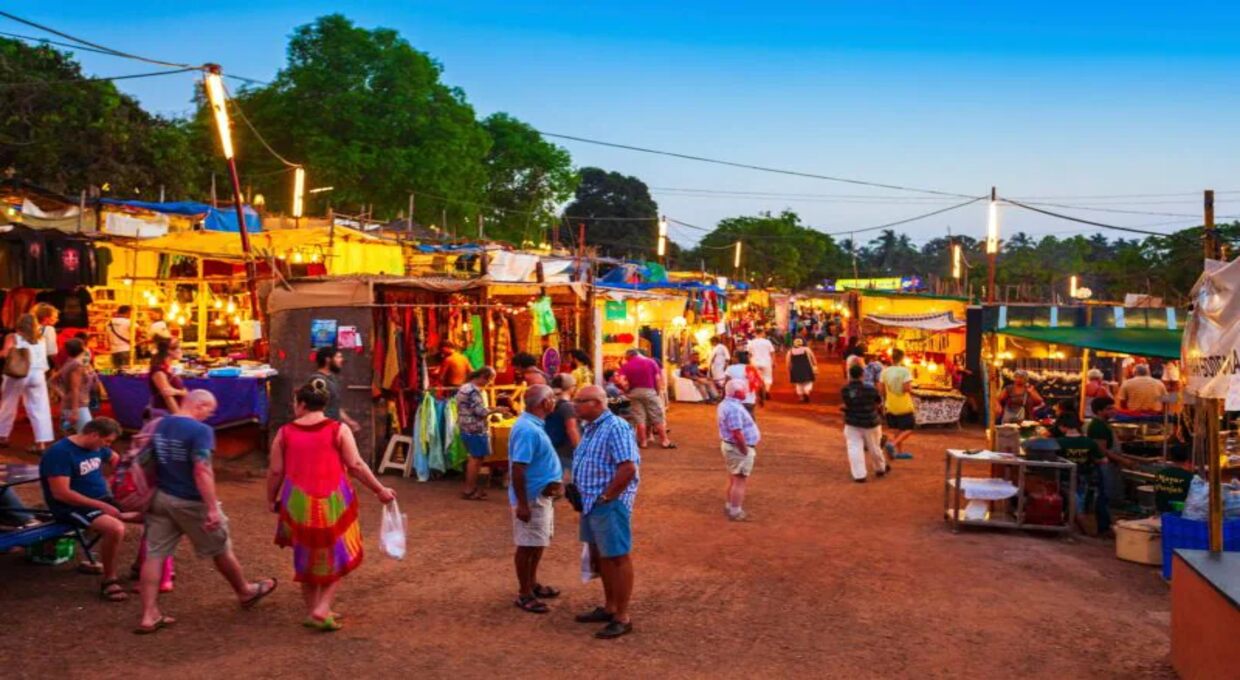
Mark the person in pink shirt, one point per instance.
(645, 379)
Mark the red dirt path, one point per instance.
(833, 579)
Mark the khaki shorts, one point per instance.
(537, 532)
(738, 463)
(647, 407)
(169, 518)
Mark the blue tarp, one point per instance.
(214, 219)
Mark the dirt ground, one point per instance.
(833, 579)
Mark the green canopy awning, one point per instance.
(1146, 342)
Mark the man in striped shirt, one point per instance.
(605, 471)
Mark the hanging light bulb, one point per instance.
(219, 321)
(314, 257)
(297, 257)
(231, 307)
(174, 309)
(218, 303)
(236, 319)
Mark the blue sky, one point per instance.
(1040, 99)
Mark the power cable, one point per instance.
(71, 81)
(1085, 221)
(748, 166)
(241, 114)
(1118, 210)
(88, 43)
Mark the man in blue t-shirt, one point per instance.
(535, 474)
(71, 473)
(185, 504)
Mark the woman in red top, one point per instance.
(166, 387)
(308, 486)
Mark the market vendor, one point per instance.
(455, 368)
(1141, 392)
(120, 328)
(1091, 493)
(1172, 482)
(158, 327)
(166, 387)
(1018, 400)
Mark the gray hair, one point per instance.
(736, 387)
(537, 394)
(1141, 369)
(1095, 374)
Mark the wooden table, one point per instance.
(954, 462)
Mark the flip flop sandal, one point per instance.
(112, 590)
(261, 593)
(327, 625)
(160, 623)
(669, 445)
(474, 496)
(311, 622)
(903, 455)
(90, 568)
(545, 592)
(531, 605)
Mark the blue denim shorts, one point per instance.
(478, 445)
(609, 527)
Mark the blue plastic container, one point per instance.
(1192, 534)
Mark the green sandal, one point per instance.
(327, 625)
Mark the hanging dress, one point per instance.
(318, 507)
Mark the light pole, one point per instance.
(992, 245)
(662, 244)
(219, 108)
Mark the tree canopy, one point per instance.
(68, 136)
(621, 218)
(776, 250)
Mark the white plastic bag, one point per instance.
(587, 565)
(392, 532)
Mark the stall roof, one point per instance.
(215, 219)
(868, 292)
(945, 321)
(1150, 342)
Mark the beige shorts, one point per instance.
(738, 463)
(537, 532)
(647, 407)
(169, 518)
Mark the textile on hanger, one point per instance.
(434, 449)
(544, 318)
(475, 352)
(424, 435)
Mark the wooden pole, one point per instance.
(409, 219)
(202, 309)
(1212, 406)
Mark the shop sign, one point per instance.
(1210, 350)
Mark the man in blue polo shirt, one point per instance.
(535, 474)
(71, 474)
(605, 472)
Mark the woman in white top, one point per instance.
(32, 388)
(46, 317)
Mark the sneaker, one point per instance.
(614, 630)
(890, 449)
(904, 455)
(599, 615)
(883, 472)
(860, 481)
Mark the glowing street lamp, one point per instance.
(299, 190)
(956, 261)
(736, 259)
(1072, 287)
(219, 108)
(992, 245)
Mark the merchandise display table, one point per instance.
(1003, 467)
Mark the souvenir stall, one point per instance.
(811, 311)
(546, 320)
(47, 265)
(933, 346)
(656, 322)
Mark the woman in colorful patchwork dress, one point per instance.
(308, 487)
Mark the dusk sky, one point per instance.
(1101, 106)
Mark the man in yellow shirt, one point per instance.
(896, 385)
(1141, 392)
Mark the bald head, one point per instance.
(198, 404)
(590, 402)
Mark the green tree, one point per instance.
(527, 178)
(68, 136)
(776, 251)
(620, 217)
(367, 114)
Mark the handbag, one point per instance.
(135, 483)
(573, 494)
(17, 364)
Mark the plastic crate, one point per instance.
(1192, 534)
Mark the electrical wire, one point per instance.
(96, 46)
(1089, 222)
(101, 79)
(1119, 210)
(241, 114)
(748, 166)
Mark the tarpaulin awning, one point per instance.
(945, 321)
(214, 219)
(1147, 342)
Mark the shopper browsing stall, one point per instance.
(472, 414)
(25, 381)
(896, 386)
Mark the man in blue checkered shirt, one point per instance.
(605, 472)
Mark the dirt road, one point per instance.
(833, 579)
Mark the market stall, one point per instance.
(933, 346)
(240, 399)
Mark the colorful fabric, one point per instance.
(476, 352)
(318, 507)
(424, 434)
(503, 343)
(471, 410)
(544, 318)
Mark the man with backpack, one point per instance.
(185, 504)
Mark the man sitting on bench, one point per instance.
(76, 492)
